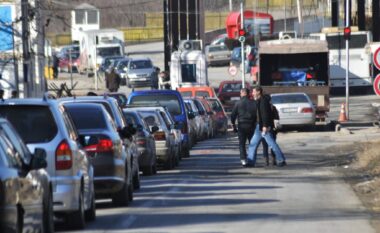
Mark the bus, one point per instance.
(360, 63)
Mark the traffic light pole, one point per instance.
(242, 45)
(347, 61)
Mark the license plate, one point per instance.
(143, 79)
(289, 110)
(235, 98)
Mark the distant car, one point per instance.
(145, 142)
(122, 68)
(107, 62)
(67, 64)
(26, 190)
(193, 112)
(295, 109)
(193, 127)
(209, 115)
(229, 93)
(218, 55)
(141, 73)
(206, 122)
(221, 123)
(197, 91)
(219, 40)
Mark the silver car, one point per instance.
(141, 73)
(295, 109)
(218, 55)
(165, 139)
(44, 123)
(198, 121)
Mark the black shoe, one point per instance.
(282, 164)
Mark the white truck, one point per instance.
(188, 68)
(95, 45)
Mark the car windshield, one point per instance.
(109, 51)
(109, 61)
(35, 124)
(122, 64)
(186, 94)
(202, 93)
(169, 101)
(231, 87)
(289, 99)
(145, 64)
(82, 121)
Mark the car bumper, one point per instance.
(140, 82)
(66, 193)
(107, 185)
(297, 121)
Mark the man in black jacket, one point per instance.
(245, 113)
(263, 129)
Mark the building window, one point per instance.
(92, 17)
(80, 17)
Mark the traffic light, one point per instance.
(347, 33)
(241, 32)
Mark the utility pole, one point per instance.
(230, 5)
(15, 60)
(242, 44)
(347, 61)
(300, 16)
(25, 44)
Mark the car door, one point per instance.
(24, 187)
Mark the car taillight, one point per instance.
(160, 136)
(63, 156)
(104, 145)
(307, 110)
(141, 142)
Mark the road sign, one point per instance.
(242, 39)
(232, 70)
(376, 85)
(376, 58)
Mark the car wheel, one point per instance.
(76, 219)
(91, 213)
(130, 192)
(121, 198)
(48, 221)
(154, 168)
(136, 180)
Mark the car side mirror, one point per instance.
(39, 159)
(154, 129)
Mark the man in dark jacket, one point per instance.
(263, 129)
(112, 80)
(245, 113)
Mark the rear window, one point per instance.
(232, 87)
(35, 124)
(87, 118)
(150, 118)
(131, 119)
(169, 101)
(289, 99)
(106, 106)
(186, 93)
(202, 93)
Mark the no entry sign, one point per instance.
(232, 70)
(376, 58)
(376, 85)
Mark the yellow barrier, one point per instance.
(48, 72)
(277, 3)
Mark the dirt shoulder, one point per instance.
(359, 163)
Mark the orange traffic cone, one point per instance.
(342, 115)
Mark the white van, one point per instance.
(188, 68)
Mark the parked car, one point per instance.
(198, 91)
(108, 61)
(112, 107)
(175, 105)
(229, 93)
(218, 55)
(122, 68)
(145, 142)
(104, 145)
(210, 112)
(295, 109)
(141, 73)
(67, 64)
(165, 141)
(206, 118)
(219, 40)
(193, 127)
(44, 123)
(120, 97)
(221, 116)
(194, 112)
(25, 187)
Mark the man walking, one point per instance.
(263, 129)
(245, 113)
(113, 80)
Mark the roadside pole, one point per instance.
(95, 68)
(242, 44)
(71, 67)
(347, 62)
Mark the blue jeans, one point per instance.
(255, 142)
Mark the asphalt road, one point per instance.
(210, 192)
